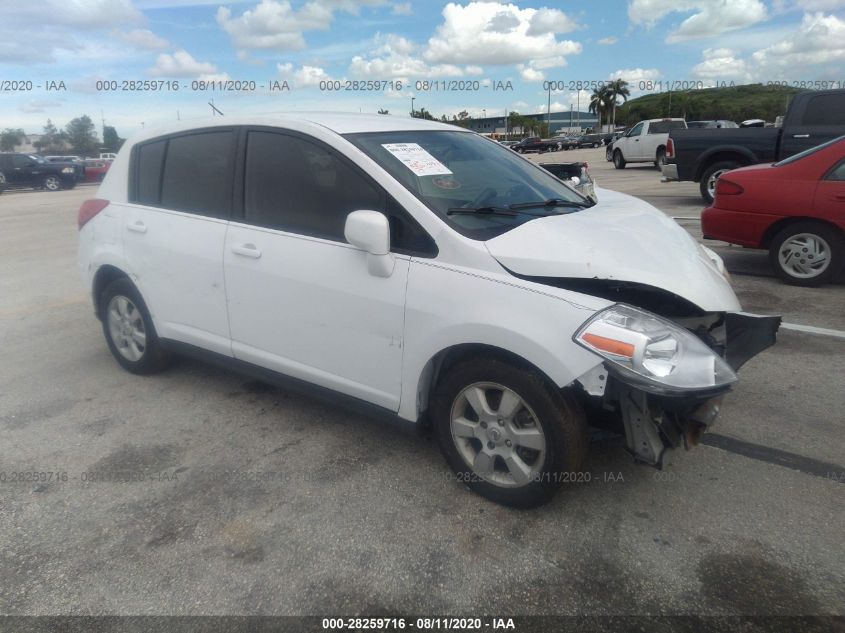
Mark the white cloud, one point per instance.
(396, 57)
(303, 77)
(709, 17)
(820, 39)
(143, 38)
(491, 33)
(550, 21)
(401, 8)
(721, 64)
(607, 41)
(634, 76)
(40, 105)
(277, 25)
(530, 74)
(819, 5)
(88, 14)
(180, 64)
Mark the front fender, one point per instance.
(448, 306)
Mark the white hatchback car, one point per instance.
(423, 271)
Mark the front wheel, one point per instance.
(707, 186)
(807, 254)
(52, 183)
(506, 433)
(608, 153)
(618, 160)
(129, 330)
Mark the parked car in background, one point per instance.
(794, 208)
(703, 155)
(697, 125)
(108, 156)
(96, 169)
(34, 172)
(576, 174)
(535, 144)
(645, 142)
(419, 272)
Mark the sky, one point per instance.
(484, 57)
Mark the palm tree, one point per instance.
(618, 88)
(598, 102)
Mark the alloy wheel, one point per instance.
(711, 182)
(126, 328)
(497, 434)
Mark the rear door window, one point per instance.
(825, 110)
(198, 172)
(150, 160)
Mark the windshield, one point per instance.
(808, 152)
(468, 181)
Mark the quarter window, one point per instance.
(838, 172)
(295, 185)
(150, 159)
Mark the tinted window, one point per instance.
(198, 174)
(825, 110)
(838, 173)
(636, 130)
(302, 187)
(21, 161)
(150, 159)
(5, 162)
(661, 127)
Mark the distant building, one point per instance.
(558, 122)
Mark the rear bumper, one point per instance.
(736, 227)
(670, 172)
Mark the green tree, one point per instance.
(422, 113)
(52, 140)
(383, 111)
(617, 88)
(111, 141)
(81, 136)
(10, 138)
(598, 102)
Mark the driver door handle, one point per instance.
(800, 136)
(247, 250)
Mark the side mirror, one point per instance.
(370, 231)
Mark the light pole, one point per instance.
(412, 106)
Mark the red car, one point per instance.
(95, 170)
(794, 208)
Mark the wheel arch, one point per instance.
(106, 274)
(736, 154)
(776, 227)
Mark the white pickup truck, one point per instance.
(645, 142)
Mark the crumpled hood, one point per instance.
(623, 238)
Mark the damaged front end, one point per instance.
(662, 381)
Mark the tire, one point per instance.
(125, 316)
(608, 153)
(52, 183)
(2, 182)
(548, 419)
(618, 160)
(707, 186)
(796, 250)
(660, 158)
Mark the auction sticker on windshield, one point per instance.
(417, 159)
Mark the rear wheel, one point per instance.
(807, 254)
(129, 330)
(608, 153)
(618, 160)
(660, 157)
(506, 433)
(2, 182)
(707, 186)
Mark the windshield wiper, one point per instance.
(551, 202)
(481, 210)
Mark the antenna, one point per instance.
(214, 110)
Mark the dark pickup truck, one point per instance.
(702, 155)
(31, 171)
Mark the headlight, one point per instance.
(653, 353)
(68, 170)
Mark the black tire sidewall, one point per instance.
(618, 159)
(561, 419)
(705, 176)
(154, 358)
(834, 239)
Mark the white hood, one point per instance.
(622, 238)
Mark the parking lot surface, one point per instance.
(198, 491)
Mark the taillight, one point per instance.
(670, 148)
(727, 188)
(89, 209)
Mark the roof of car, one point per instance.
(339, 122)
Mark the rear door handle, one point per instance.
(247, 250)
(800, 136)
(138, 226)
